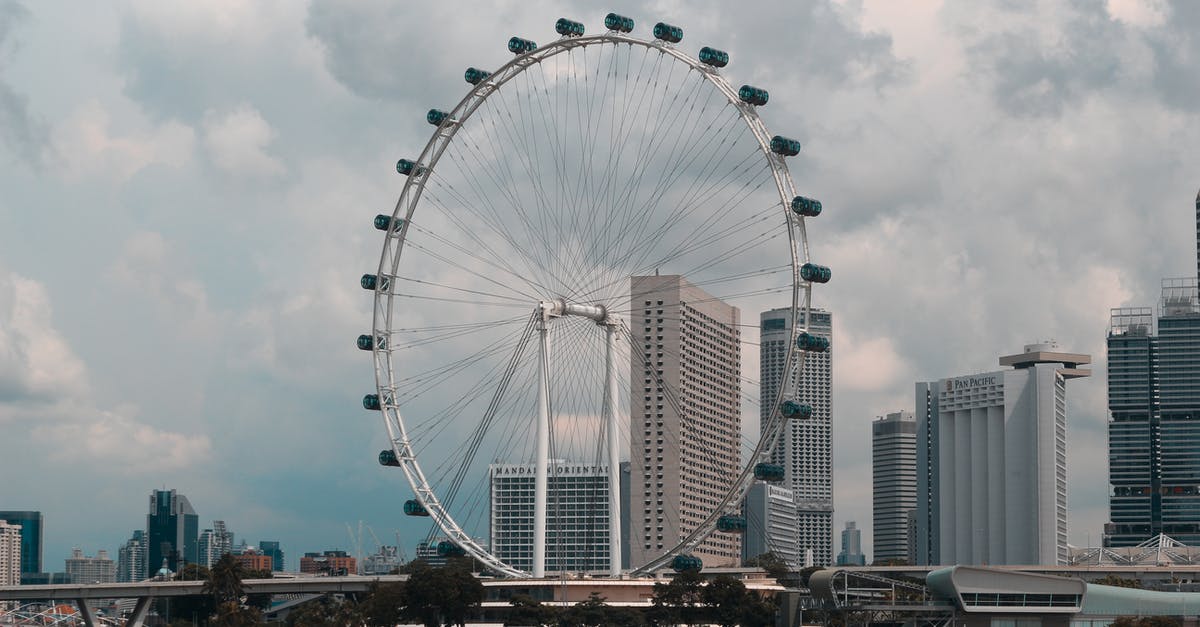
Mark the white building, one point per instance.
(576, 516)
(10, 554)
(851, 554)
(82, 569)
(894, 483)
(685, 415)
(770, 512)
(992, 462)
(805, 449)
(131, 558)
(213, 543)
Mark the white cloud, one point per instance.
(89, 145)
(36, 362)
(237, 142)
(1142, 13)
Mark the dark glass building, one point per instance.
(172, 530)
(31, 539)
(269, 547)
(1154, 424)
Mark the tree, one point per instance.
(595, 612)
(324, 611)
(383, 604)
(224, 582)
(527, 611)
(1116, 580)
(775, 567)
(437, 596)
(675, 602)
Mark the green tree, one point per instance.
(324, 611)
(437, 596)
(595, 612)
(527, 611)
(725, 597)
(224, 582)
(1116, 580)
(676, 602)
(775, 567)
(383, 604)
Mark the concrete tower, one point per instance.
(806, 446)
(894, 483)
(992, 462)
(685, 415)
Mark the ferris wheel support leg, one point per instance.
(614, 453)
(543, 449)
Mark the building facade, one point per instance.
(770, 512)
(82, 569)
(172, 530)
(893, 484)
(806, 448)
(331, 563)
(685, 416)
(131, 558)
(851, 554)
(272, 548)
(10, 554)
(252, 560)
(31, 538)
(1154, 419)
(213, 543)
(992, 462)
(577, 526)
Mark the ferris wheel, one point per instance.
(519, 316)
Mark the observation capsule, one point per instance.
(686, 563)
(437, 117)
(408, 168)
(812, 343)
(568, 28)
(368, 281)
(384, 222)
(366, 342)
(447, 548)
(387, 457)
(475, 76)
(756, 96)
(620, 23)
(516, 45)
(668, 33)
(792, 409)
(815, 274)
(413, 507)
(785, 146)
(714, 57)
(371, 401)
(768, 472)
(731, 524)
(806, 207)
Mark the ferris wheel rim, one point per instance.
(406, 206)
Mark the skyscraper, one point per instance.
(685, 415)
(576, 516)
(894, 483)
(1154, 419)
(31, 538)
(805, 448)
(10, 554)
(82, 569)
(213, 543)
(171, 531)
(131, 558)
(851, 554)
(272, 548)
(770, 512)
(992, 462)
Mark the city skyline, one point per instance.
(223, 219)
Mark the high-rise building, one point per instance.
(805, 449)
(329, 563)
(10, 554)
(992, 462)
(770, 512)
(576, 516)
(1154, 419)
(171, 531)
(685, 415)
(272, 548)
(851, 554)
(383, 561)
(31, 538)
(82, 569)
(252, 560)
(894, 483)
(213, 543)
(131, 558)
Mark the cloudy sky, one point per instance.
(187, 191)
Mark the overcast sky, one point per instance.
(187, 188)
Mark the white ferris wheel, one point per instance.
(503, 320)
